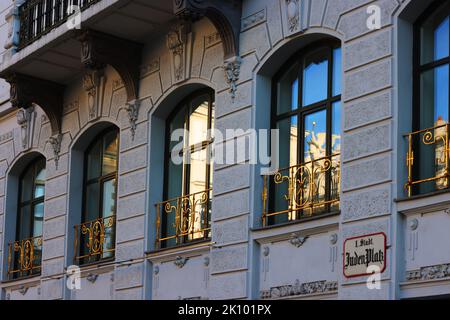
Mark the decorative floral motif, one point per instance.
(232, 72)
(297, 240)
(298, 289)
(180, 262)
(55, 143)
(429, 273)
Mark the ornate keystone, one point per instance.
(297, 240)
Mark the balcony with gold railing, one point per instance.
(24, 258)
(183, 220)
(304, 190)
(38, 17)
(95, 240)
(428, 160)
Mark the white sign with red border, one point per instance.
(362, 252)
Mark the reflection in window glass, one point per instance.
(288, 91)
(288, 131)
(337, 71)
(434, 96)
(110, 151)
(38, 219)
(315, 78)
(441, 40)
(434, 35)
(315, 136)
(336, 128)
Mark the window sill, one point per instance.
(23, 279)
(424, 203)
(423, 196)
(181, 247)
(299, 221)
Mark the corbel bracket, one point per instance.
(225, 15)
(26, 91)
(100, 49)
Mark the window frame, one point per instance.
(186, 104)
(303, 111)
(34, 201)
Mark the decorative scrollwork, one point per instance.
(96, 238)
(433, 144)
(187, 217)
(24, 257)
(305, 188)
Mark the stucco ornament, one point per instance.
(24, 117)
(447, 211)
(414, 224)
(23, 290)
(429, 273)
(206, 262)
(266, 251)
(180, 261)
(92, 277)
(333, 238)
(133, 115)
(176, 42)
(292, 12)
(298, 289)
(297, 241)
(55, 143)
(92, 85)
(232, 72)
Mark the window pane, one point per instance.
(92, 210)
(336, 128)
(109, 198)
(110, 148)
(26, 185)
(94, 161)
(198, 121)
(337, 71)
(315, 78)
(434, 97)
(315, 136)
(197, 174)
(441, 39)
(178, 122)
(39, 181)
(38, 219)
(24, 223)
(288, 91)
(435, 35)
(288, 141)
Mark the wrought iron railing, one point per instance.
(302, 190)
(183, 219)
(38, 17)
(24, 257)
(95, 240)
(428, 160)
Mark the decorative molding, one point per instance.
(299, 289)
(333, 238)
(180, 262)
(100, 49)
(92, 277)
(212, 39)
(266, 251)
(25, 119)
(447, 211)
(6, 136)
(296, 15)
(206, 261)
(413, 224)
(225, 15)
(429, 273)
(232, 72)
(23, 290)
(177, 40)
(72, 106)
(156, 270)
(117, 84)
(93, 84)
(254, 20)
(55, 143)
(152, 67)
(132, 109)
(297, 241)
(26, 91)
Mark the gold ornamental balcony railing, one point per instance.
(427, 160)
(183, 219)
(95, 240)
(24, 257)
(302, 190)
(38, 17)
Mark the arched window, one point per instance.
(25, 253)
(306, 109)
(428, 160)
(96, 234)
(185, 215)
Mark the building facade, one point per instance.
(350, 97)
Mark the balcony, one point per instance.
(183, 220)
(95, 240)
(304, 190)
(24, 258)
(427, 160)
(38, 17)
